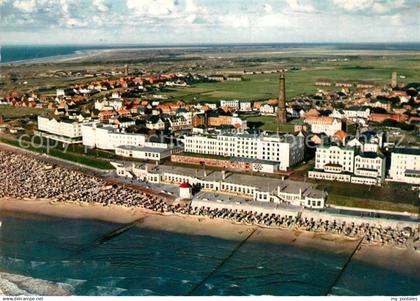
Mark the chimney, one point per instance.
(224, 174)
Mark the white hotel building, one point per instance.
(63, 130)
(106, 137)
(287, 150)
(405, 165)
(346, 164)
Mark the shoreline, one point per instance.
(405, 261)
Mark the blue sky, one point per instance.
(207, 21)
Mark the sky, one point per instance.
(207, 21)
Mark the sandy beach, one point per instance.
(404, 260)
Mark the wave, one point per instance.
(109, 291)
(18, 285)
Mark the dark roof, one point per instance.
(407, 151)
(371, 155)
(125, 119)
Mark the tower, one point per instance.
(281, 104)
(185, 191)
(394, 80)
(125, 70)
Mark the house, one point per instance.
(230, 104)
(176, 123)
(245, 106)
(327, 125)
(357, 112)
(382, 117)
(384, 104)
(155, 123)
(106, 115)
(124, 122)
(268, 110)
(312, 113)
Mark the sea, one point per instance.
(27, 53)
(141, 261)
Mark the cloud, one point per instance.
(274, 20)
(382, 7)
(73, 22)
(152, 7)
(376, 6)
(267, 8)
(195, 13)
(394, 20)
(26, 6)
(100, 5)
(298, 6)
(189, 21)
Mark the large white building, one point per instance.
(370, 165)
(405, 165)
(286, 150)
(334, 158)
(327, 125)
(63, 130)
(109, 138)
(348, 164)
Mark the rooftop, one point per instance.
(144, 148)
(219, 198)
(407, 151)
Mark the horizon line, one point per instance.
(198, 44)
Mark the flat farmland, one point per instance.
(302, 81)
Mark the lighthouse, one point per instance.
(185, 191)
(281, 104)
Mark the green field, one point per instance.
(391, 196)
(265, 86)
(65, 155)
(348, 201)
(269, 123)
(10, 112)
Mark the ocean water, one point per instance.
(150, 262)
(18, 53)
